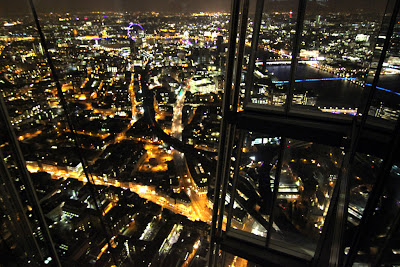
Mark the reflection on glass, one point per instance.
(22, 237)
(364, 172)
(252, 206)
(335, 53)
(309, 173)
(273, 57)
(115, 68)
(385, 103)
(381, 222)
(235, 261)
(391, 254)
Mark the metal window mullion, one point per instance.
(31, 193)
(232, 128)
(253, 51)
(341, 202)
(384, 248)
(376, 53)
(235, 179)
(322, 241)
(240, 53)
(225, 108)
(375, 194)
(330, 221)
(356, 241)
(276, 187)
(89, 178)
(295, 53)
(225, 181)
(225, 177)
(341, 208)
(379, 67)
(12, 201)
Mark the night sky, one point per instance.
(8, 7)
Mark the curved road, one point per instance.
(204, 156)
(198, 201)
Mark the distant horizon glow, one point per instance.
(188, 6)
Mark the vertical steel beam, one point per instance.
(341, 207)
(384, 248)
(231, 126)
(235, 179)
(382, 58)
(323, 241)
(253, 52)
(282, 147)
(374, 196)
(72, 129)
(240, 53)
(224, 122)
(295, 52)
(339, 203)
(225, 179)
(23, 232)
(30, 189)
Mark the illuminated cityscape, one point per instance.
(141, 138)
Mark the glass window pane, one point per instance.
(391, 255)
(235, 261)
(364, 174)
(22, 71)
(273, 56)
(386, 98)
(253, 197)
(151, 174)
(309, 173)
(335, 52)
(20, 231)
(381, 221)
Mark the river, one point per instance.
(338, 93)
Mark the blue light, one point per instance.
(315, 80)
(280, 82)
(130, 28)
(335, 79)
(383, 89)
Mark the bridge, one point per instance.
(337, 110)
(315, 80)
(285, 62)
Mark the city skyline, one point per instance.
(176, 6)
